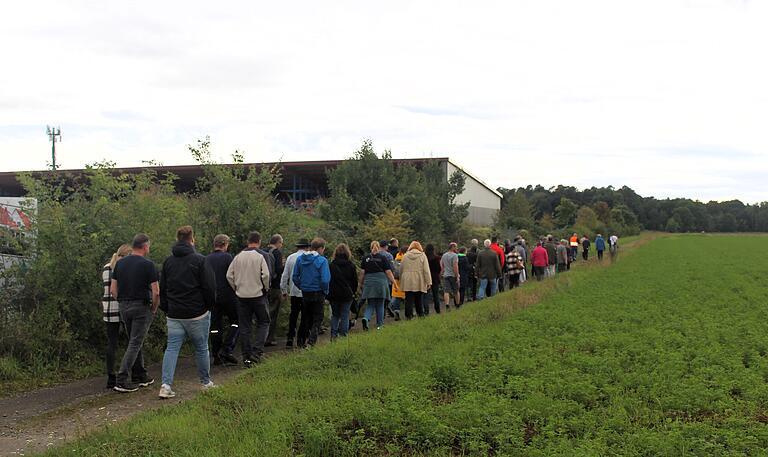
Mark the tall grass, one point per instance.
(664, 353)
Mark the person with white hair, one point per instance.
(488, 270)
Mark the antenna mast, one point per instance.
(54, 135)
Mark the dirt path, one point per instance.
(34, 421)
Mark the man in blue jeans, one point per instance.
(135, 286)
(312, 276)
(187, 294)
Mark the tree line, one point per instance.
(621, 211)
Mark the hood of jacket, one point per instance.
(182, 249)
(413, 254)
(311, 258)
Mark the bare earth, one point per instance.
(34, 421)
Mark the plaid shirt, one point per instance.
(108, 303)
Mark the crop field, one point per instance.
(663, 353)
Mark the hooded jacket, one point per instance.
(415, 275)
(600, 243)
(187, 283)
(311, 273)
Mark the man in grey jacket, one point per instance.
(248, 275)
(289, 288)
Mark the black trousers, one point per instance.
(514, 280)
(221, 311)
(275, 300)
(473, 287)
(248, 308)
(585, 254)
(113, 336)
(435, 299)
(293, 318)
(599, 255)
(414, 299)
(311, 317)
(539, 272)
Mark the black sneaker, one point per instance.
(352, 323)
(365, 324)
(397, 314)
(250, 362)
(229, 358)
(125, 387)
(144, 382)
(289, 344)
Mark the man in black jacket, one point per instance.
(187, 294)
(223, 343)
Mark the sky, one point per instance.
(667, 97)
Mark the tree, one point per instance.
(565, 213)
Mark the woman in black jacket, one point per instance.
(342, 290)
(434, 268)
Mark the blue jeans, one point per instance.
(378, 305)
(340, 318)
(396, 303)
(197, 331)
(483, 283)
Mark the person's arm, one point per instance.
(155, 296)
(296, 276)
(286, 276)
(113, 288)
(231, 274)
(426, 273)
(325, 277)
(208, 281)
(353, 278)
(390, 276)
(266, 277)
(498, 269)
(456, 268)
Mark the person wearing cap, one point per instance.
(312, 275)
(289, 289)
(226, 304)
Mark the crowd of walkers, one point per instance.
(237, 299)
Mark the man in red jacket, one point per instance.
(540, 261)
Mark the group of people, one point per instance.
(220, 296)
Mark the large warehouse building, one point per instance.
(306, 182)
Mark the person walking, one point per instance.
(398, 295)
(434, 268)
(187, 294)
(449, 275)
(289, 289)
(376, 280)
(488, 270)
(341, 290)
(248, 275)
(465, 272)
(499, 250)
(472, 260)
(613, 247)
(135, 286)
(599, 246)
(394, 247)
(552, 255)
(312, 276)
(562, 256)
(275, 249)
(574, 245)
(110, 314)
(585, 243)
(523, 253)
(540, 261)
(222, 345)
(415, 279)
(514, 265)
(384, 250)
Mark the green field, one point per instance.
(663, 353)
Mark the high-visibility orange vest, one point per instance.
(575, 241)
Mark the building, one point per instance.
(303, 183)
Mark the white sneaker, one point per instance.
(166, 392)
(210, 385)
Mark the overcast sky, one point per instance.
(668, 97)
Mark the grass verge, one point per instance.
(664, 353)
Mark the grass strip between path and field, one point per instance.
(663, 353)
